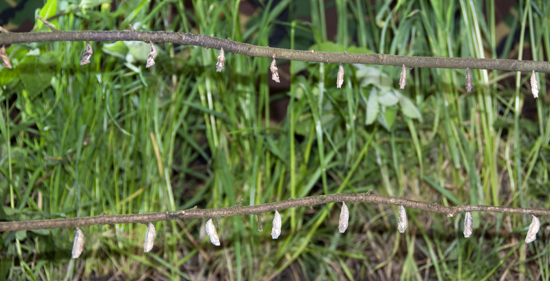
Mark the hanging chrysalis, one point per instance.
(260, 228)
(149, 238)
(274, 72)
(152, 55)
(212, 233)
(469, 85)
(5, 60)
(344, 218)
(534, 85)
(533, 229)
(468, 225)
(221, 60)
(402, 220)
(340, 77)
(78, 243)
(403, 78)
(87, 54)
(276, 231)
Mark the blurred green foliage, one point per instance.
(112, 137)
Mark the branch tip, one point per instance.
(51, 26)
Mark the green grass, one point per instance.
(113, 137)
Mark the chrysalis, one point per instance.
(344, 218)
(468, 224)
(534, 85)
(212, 233)
(78, 243)
(221, 60)
(533, 229)
(149, 238)
(5, 60)
(276, 231)
(403, 78)
(274, 72)
(260, 228)
(402, 220)
(340, 78)
(469, 85)
(152, 55)
(87, 54)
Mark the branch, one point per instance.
(264, 208)
(51, 26)
(268, 52)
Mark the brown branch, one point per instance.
(51, 26)
(259, 209)
(268, 52)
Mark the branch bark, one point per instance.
(268, 52)
(264, 208)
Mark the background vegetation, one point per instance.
(113, 137)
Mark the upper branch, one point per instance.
(258, 209)
(268, 52)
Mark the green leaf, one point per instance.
(48, 11)
(36, 73)
(44, 232)
(387, 98)
(21, 234)
(372, 76)
(387, 118)
(92, 3)
(328, 47)
(372, 107)
(117, 49)
(408, 108)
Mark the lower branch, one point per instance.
(268, 52)
(264, 208)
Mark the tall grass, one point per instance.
(113, 137)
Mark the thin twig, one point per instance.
(268, 52)
(264, 208)
(51, 26)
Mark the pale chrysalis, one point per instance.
(344, 218)
(212, 233)
(402, 220)
(149, 238)
(533, 229)
(5, 59)
(87, 54)
(468, 225)
(221, 60)
(152, 55)
(534, 85)
(78, 243)
(260, 228)
(469, 85)
(340, 77)
(403, 78)
(276, 231)
(274, 70)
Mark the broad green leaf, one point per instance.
(372, 107)
(48, 11)
(328, 47)
(387, 98)
(44, 232)
(117, 49)
(36, 73)
(21, 234)
(372, 76)
(387, 117)
(358, 50)
(408, 108)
